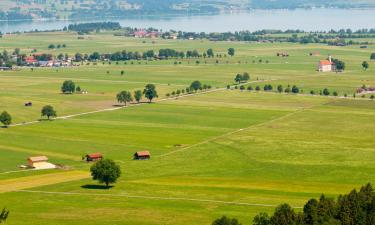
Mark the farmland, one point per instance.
(217, 152)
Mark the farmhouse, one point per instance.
(282, 54)
(143, 155)
(40, 162)
(326, 65)
(94, 157)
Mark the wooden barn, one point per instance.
(93, 157)
(143, 155)
(40, 162)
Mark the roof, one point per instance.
(325, 62)
(38, 158)
(143, 153)
(95, 155)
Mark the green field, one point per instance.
(222, 152)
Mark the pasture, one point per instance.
(214, 153)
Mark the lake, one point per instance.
(308, 20)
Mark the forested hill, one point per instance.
(79, 9)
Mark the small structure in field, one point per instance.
(326, 65)
(143, 155)
(93, 157)
(40, 163)
(28, 104)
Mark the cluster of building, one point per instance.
(33, 61)
(154, 34)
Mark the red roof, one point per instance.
(325, 62)
(31, 59)
(143, 153)
(95, 155)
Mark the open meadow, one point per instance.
(216, 152)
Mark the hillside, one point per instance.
(74, 9)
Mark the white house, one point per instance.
(326, 65)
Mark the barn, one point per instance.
(143, 155)
(40, 162)
(94, 157)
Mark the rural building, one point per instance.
(143, 155)
(314, 53)
(40, 162)
(28, 104)
(282, 54)
(94, 157)
(326, 65)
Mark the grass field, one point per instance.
(223, 152)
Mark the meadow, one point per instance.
(220, 152)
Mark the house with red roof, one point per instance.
(143, 155)
(94, 157)
(326, 65)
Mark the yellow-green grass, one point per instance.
(222, 153)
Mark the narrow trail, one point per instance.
(154, 198)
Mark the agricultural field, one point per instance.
(213, 153)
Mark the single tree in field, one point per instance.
(226, 221)
(4, 215)
(372, 57)
(122, 72)
(231, 51)
(124, 97)
(138, 95)
(196, 85)
(326, 92)
(48, 111)
(246, 77)
(365, 65)
(78, 89)
(280, 88)
(105, 171)
(5, 118)
(210, 52)
(150, 92)
(68, 87)
(238, 78)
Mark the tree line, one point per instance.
(354, 208)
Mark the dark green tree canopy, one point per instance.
(150, 92)
(231, 51)
(124, 97)
(68, 87)
(226, 221)
(4, 215)
(138, 95)
(196, 85)
(5, 118)
(48, 111)
(105, 171)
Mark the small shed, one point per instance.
(143, 155)
(94, 157)
(39, 162)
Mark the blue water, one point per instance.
(308, 20)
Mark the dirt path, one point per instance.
(17, 184)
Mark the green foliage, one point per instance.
(48, 111)
(326, 92)
(138, 95)
(105, 171)
(210, 52)
(124, 97)
(68, 87)
(5, 118)
(150, 92)
(295, 89)
(226, 221)
(280, 88)
(4, 215)
(365, 65)
(261, 219)
(372, 57)
(196, 85)
(340, 65)
(231, 51)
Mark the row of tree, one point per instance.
(354, 208)
(149, 93)
(194, 87)
(150, 54)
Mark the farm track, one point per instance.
(153, 198)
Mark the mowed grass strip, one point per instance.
(40, 180)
